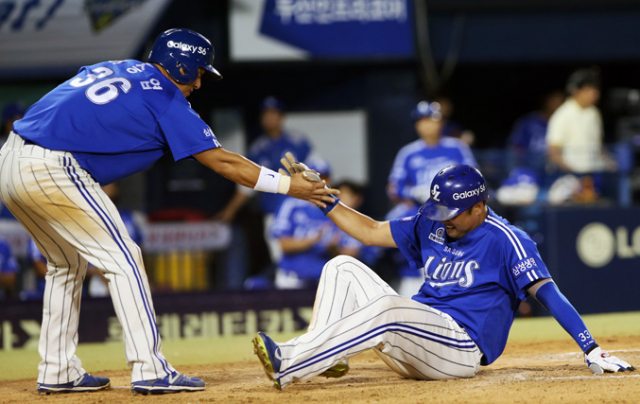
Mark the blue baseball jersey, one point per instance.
(8, 263)
(117, 118)
(529, 138)
(479, 279)
(302, 220)
(267, 152)
(530, 133)
(417, 163)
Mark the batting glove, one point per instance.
(293, 166)
(600, 361)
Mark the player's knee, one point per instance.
(385, 302)
(343, 264)
(343, 259)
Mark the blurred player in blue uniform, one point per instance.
(308, 238)
(39, 264)
(477, 269)
(9, 269)
(267, 150)
(110, 120)
(414, 167)
(528, 137)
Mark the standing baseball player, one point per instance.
(477, 269)
(111, 120)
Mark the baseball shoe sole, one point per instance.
(268, 353)
(84, 383)
(338, 370)
(173, 383)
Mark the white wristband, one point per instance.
(284, 184)
(272, 182)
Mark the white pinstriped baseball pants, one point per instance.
(73, 222)
(355, 310)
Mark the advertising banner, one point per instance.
(193, 315)
(56, 36)
(327, 29)
(594, 256)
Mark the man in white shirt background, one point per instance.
(575, 133)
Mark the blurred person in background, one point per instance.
(352, 195)
(267, 150)
(38, 263)
(575, 140)
(415, 165)
(307, 238)
(528, 154)
(8, 269)
(451, 128)
(527, 141)
(419, 161)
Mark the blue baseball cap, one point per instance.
(272, 103)
(319, 164)
(426, 109)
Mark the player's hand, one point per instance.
(321, 194)
(294, 166)
(315, 192)
(600, 361)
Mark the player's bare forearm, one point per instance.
(230, 165)
(362, 227)
(8, 280)
(292, 245)
(227, 214)
(245, 172)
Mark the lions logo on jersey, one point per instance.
(450, 273)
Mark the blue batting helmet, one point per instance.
(181, 52)
(453, 190)
(426, 109)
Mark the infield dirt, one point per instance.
(544, 372)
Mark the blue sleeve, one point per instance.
(185, 132)
(517, 137)
(523, 261)
(566, 315)
(404, 234)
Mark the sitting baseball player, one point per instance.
(477, 269)
(110, 120)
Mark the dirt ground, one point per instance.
(549, 372)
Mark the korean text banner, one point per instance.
(342, 28)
